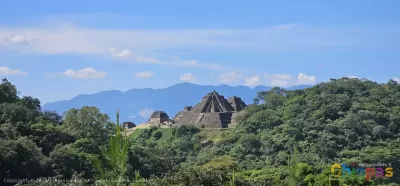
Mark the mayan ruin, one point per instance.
(158, 117)
(213, 111)
(128, 125)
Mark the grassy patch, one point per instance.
(214, 135)
(166, 134)
(135, 134)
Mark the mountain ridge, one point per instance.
(138, 103)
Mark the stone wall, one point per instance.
(158, 120)
(128, 125)
(207, 120)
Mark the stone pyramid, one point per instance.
(213, 111)
(213, 102)
(236, 103)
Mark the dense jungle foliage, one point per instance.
(284, 138)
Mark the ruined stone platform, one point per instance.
(213, 111)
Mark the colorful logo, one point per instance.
(342, 170)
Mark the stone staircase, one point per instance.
(186, 118)
(226, 119)
(209, 120)
(199, 118)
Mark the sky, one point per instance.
(56, 50)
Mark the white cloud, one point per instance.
(286, 80)
(396, 79)
(195, 63)
(85, 73)
(132, 117)
(138, 45)
(229, 77)
(253, 81)
(144, 75)
(124, 54)
(189, 63)
(61, 39)
(17, 39)
(146, 59)
(4, 71)
(146, 113)
(280, 80)
(188, 77)
(127, 54)
(303, 79)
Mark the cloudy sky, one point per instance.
(56, 50)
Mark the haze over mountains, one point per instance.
(137, 104)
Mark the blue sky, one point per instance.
(56, 50)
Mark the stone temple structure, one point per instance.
(214, 111)
(158, 117)
(128, 125)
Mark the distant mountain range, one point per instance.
(137, 104)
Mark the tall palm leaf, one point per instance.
(112, 170)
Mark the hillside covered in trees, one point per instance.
(285, 138)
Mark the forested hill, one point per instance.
(290, 138)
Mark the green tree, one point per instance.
(8, 92)
(21, 158)
(157, 135)
(51, 117)
(31, 103)
(16, 113)
(87, 122)
(48, 136)
(66, 160)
